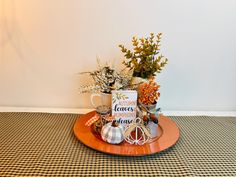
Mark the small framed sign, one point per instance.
(124, 103)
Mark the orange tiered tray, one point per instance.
(168, 135)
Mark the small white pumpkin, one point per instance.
(112, 133)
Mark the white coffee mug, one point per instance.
(101, 99)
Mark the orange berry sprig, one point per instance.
(148, 92)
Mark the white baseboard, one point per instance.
(200, 113)
(83, 111)
(45, 110)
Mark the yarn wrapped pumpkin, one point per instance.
(112, 133)
(136, 133)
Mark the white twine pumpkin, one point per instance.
(111, 134)
(136, 138)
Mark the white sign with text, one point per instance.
(124, 104)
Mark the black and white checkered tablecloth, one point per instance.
(42, 144)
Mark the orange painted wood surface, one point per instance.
(168, 135)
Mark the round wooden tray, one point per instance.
(168, 135)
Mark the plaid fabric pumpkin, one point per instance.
(111, 134)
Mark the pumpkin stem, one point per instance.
(114, 123)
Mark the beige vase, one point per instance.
(136, 81)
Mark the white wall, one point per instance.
(43, 44)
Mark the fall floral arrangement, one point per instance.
(143, 61)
